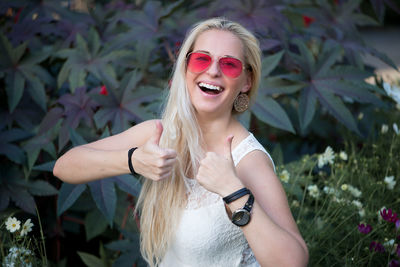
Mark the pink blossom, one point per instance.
(364, 229)
(388, 215)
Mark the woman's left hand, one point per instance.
(217, 172)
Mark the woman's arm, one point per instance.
(109, 156)
(272, 232)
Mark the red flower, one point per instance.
(307, 20)
(336, 2)
(388, 215)
(103, 90)
(364, 229)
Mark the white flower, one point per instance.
(27, 227)
(313, 190)
(344, 187)
(329, 190)
(384, 128)
(357, 203)
(360, 116)
(285, 176)
(392, 91)
(295, 203)
(12, 224)
(390, 182)
(396, 128)
(361, 212)
(354, 191)
(327, 157)
(343, 155)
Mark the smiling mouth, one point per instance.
(210, 89)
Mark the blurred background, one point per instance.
(328, 110)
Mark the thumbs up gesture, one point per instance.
(152, 161)
(217, 172)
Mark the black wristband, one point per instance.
(130, 152)
(236, 195)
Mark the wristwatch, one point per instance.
(241, 217)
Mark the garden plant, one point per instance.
(72, 75)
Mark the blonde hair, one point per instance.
(161, 203)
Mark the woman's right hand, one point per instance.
(152, 161)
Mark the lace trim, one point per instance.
(198, 196)
(249, 144)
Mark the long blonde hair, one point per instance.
(160, 203)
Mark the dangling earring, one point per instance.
(241, 103)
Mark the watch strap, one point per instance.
(236, 195)
(249, 204)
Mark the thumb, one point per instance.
(155, 138)
(228, 147)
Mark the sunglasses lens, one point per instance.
(198, 62)
(231, 67)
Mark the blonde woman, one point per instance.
(210, 195)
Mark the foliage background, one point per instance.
(70, 76)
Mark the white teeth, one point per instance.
(209, 86)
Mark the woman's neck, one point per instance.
(215, 130)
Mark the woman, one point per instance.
(210, 196)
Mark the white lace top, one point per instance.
(205, 235)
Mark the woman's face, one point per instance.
(212, 92)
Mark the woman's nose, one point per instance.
(214, 69)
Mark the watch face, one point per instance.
(241, 217)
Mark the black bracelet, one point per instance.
(236, 195)
(130, 152)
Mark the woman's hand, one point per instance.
(152, 161)
(217, 172)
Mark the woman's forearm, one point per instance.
(84, 164)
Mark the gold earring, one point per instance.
(241, 103)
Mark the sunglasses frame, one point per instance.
(212, 60)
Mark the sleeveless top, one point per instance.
(205, 235)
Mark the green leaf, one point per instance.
(12, 152)
(276, 85)
(76, 138)
(307, 58)
(63, 74)
(269, 63)
(42, 188)
(270, 112)
(327, 59)
(90, 260)
(95, 224)
(67, 196)
(359, 91)
(105, 197)
(18, 53)
(76, 78)
(307, 107)
(45, 167)
(336, 107)
(94, 41)
(15, 91)
(37, 91)
(82, 46)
